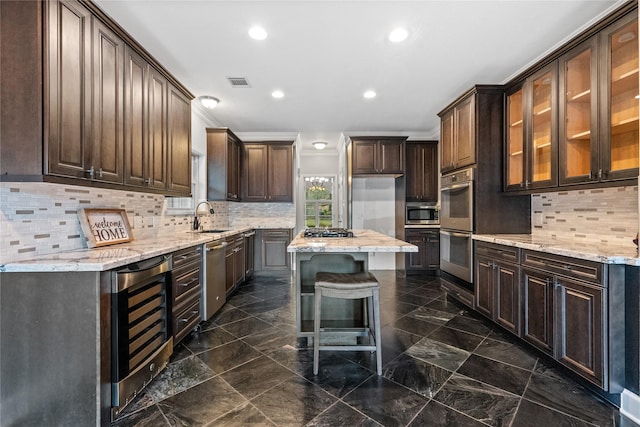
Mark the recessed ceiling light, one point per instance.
(277, 94)
(257, 33)
(369, 94)
(398, 35)
(319, 145)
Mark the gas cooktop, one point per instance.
(327, 232)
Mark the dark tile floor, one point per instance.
(443, 366)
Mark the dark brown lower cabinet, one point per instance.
(186, 291)
(427, 259)
(234, 262)
(571, 309)
(537, 309)
(580, 327)
(497, 293)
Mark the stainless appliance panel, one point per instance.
(421, 214)
(456, 256)
(456, 201)
(141, 343)
(214, 289)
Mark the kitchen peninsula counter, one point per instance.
(338, 255)
(605, 253)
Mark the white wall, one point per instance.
(373, 208)
(200, 121)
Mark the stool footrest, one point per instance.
(348, 347)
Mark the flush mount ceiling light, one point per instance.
(398, 35)
(277, 94)
(257, 33)
(319, 145)
(209, 101)
(369, 94)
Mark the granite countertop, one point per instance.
(602, 252)
(363, 241)
(109, 257)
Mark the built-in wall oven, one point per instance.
(456, 228)
(456, 200)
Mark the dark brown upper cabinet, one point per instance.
(531, 137)
(458, 134)
(619, 99)
(590, 133)
(599, 141)
(223, 165)
(267, 172)
(377, 155)
(179, 142)
(90, 119)
(421, 171)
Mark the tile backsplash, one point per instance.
(42, 218)
(603, 215)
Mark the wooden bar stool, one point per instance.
(349, 286)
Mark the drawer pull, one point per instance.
(189, 283)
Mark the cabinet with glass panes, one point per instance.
(531, 132)
(575, 121)
(578, 106)
(599, 141)
(619, 109)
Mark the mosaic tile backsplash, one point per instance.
(604, 215)
(42, 218)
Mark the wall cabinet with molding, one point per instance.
(223, 164)
(572, 119)
(267, 172)
(377, 155)
(93, 123)
(421, 171)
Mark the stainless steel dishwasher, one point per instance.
(214, 289)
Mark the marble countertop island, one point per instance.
(363, 241)
(602, 252)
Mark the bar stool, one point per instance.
(349, 286)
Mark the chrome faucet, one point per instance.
(196, 220)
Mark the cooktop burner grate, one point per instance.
(327, 232)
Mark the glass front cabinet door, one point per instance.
(599, 106)
(531, 141)
(515, 160)
(619, 100)
(579, 108)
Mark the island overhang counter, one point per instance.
(337, 255)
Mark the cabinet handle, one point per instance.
(526, 184)
(184, 285)
(599, 174)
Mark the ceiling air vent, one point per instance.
(238, 82)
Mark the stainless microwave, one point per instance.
(421, 214)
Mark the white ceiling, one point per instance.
(324, 54)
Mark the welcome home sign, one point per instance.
(102, 227)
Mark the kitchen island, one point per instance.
(338, 255)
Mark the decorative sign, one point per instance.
(102, 227)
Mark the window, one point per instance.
(318, 192)
(179, 205)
